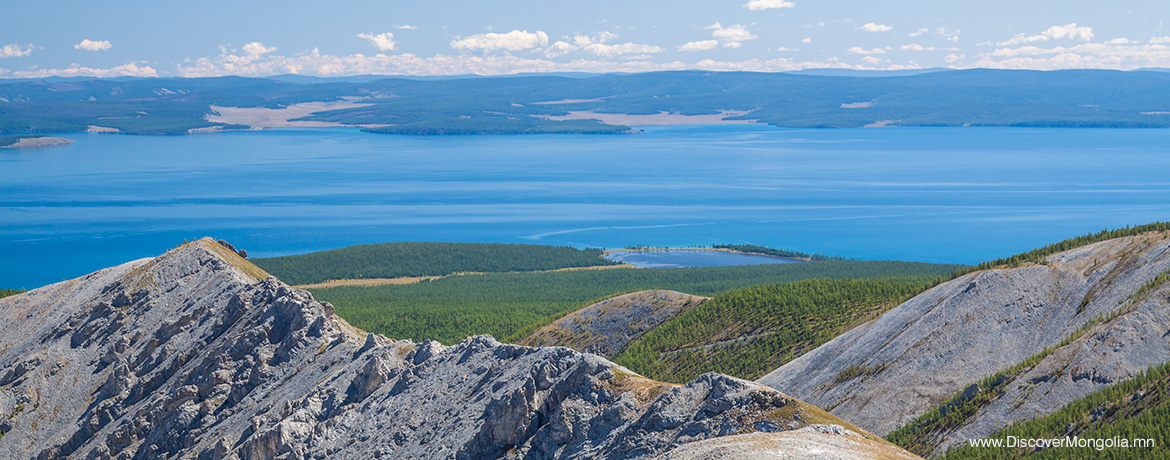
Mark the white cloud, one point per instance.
(953, 58)
(732, 33)
(920, 32)
(1118, 41)
(949, 35)
(257, 49)
(785, 48)
(93, 45)
(730, 37)
(871, 27)
(701, 45)
(1082, 56)
(806, 40)
(384, 42)
(605, 50)
(404, 27)
(860, 50)
(125, 70)
(315, 63)
(1068, 31)
(917, 47)
(599, 45)
(761, 5)
(14, 50)
(1154, 40)
(872, 60)
(559, 48)
(515, 40)
(1020, 39)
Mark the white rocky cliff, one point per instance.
(199, 354)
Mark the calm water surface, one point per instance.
(931, 194)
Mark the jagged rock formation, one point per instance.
(887, 372)
(197, 354)
(606, 327)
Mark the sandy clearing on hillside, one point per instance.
(101, 129)
(262, 117)
(661, 118)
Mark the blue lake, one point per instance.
(929, 194)
(689, 258)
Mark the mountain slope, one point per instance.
(936, 345)
(197, 354)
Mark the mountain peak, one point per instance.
(197, 353)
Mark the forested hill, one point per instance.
(483, 105)
(395, 260)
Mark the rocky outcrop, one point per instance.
(197, 354)
(823, 442)
(606, 327)
(887, 372)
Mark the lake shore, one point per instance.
(660, 118)
(368, 282)
(730, 251)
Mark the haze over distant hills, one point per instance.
(587, 103)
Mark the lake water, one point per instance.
(929, 194)
(688, 258)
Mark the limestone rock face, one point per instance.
(198, 354)
(885, 373)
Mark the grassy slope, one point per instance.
(749, 332)
(512, 305)
(394, 260)
(8, 292)
(1135, 408)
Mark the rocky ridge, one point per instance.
(198, 354)
(885, 373)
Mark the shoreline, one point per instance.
(658, 119)
(655, 249)
(371, 282)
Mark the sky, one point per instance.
(44, 38)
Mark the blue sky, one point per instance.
(445, 37)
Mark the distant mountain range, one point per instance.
(588, 103)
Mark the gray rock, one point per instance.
(191, 355)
